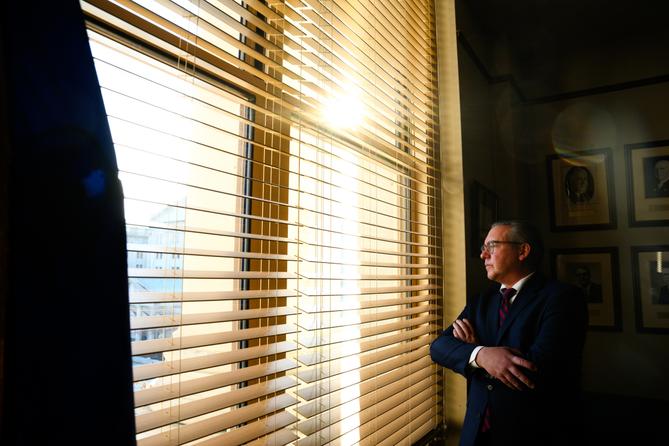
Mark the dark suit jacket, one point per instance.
(663, 190)
(663, 295)
(547, 323)
(657, 190)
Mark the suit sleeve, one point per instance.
(451, 352)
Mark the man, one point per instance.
(661, 171)
(521, 356)
(580, 186)
(661, 292)
(591, 290)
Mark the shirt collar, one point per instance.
(517, 286)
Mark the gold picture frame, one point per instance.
(650, 267)
(581, 194)
(596, 272)
(648, 183)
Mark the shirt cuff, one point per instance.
(472, 357)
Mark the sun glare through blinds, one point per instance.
(279, 162)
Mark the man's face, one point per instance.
(579, 181)
(503, 264)
(662, 170)
(582, 277)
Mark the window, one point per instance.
(283, 155)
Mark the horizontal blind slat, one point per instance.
(279, 438)
(135, 247)
(310, 306)
(199, 296)
(333, 291)
(144, 322)
(354, 318)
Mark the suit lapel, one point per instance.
(490, 305)
(524, 298)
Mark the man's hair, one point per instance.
(523, 231)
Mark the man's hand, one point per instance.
(506, 365)
(463, 330)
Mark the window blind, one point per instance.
(280, 170)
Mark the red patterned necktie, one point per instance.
(504, 306)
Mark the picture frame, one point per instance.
(648, 183)
(581, 191)
(596, 272)
(484, 212)
(650, 269)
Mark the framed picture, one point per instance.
(595, 271)
(581, 191)
(484, 212)
(648, 183)
(650, 267)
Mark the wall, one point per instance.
(453, 219)
(627, 362)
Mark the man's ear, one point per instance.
(524, 251)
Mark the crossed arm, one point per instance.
(503, 363)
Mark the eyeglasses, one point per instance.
(492, 244)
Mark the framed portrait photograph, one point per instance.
(581, 193)
(648, 183)
(650, 268)
(484, 212)
(596, 272)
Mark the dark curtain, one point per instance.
(67, 375)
